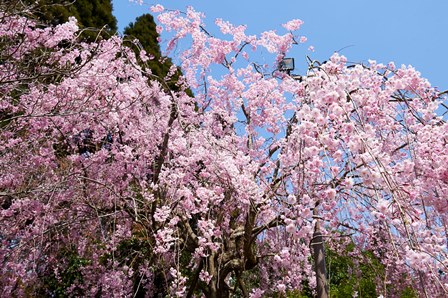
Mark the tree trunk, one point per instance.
(217, 287)
(317, 245)
(219, 290)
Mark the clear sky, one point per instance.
(411, 32)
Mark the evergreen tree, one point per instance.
(144, 30)
(95, 14)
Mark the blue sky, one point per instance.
(411, 32)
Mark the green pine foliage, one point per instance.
(96, 15)
(349, 274)
(144, 30)
(352, 275)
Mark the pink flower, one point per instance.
(277, 259)
(293, 25)
(291, 228)
(331, 194)
(281, 288)
(205, 276)
(256, 293)
(157, 8)
(162, 214)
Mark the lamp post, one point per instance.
(317, 242)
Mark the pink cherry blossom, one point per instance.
(140, 186)
(157, 8)
(293, 25)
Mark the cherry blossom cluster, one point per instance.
(129, 187)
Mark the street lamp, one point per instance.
(286, 65)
